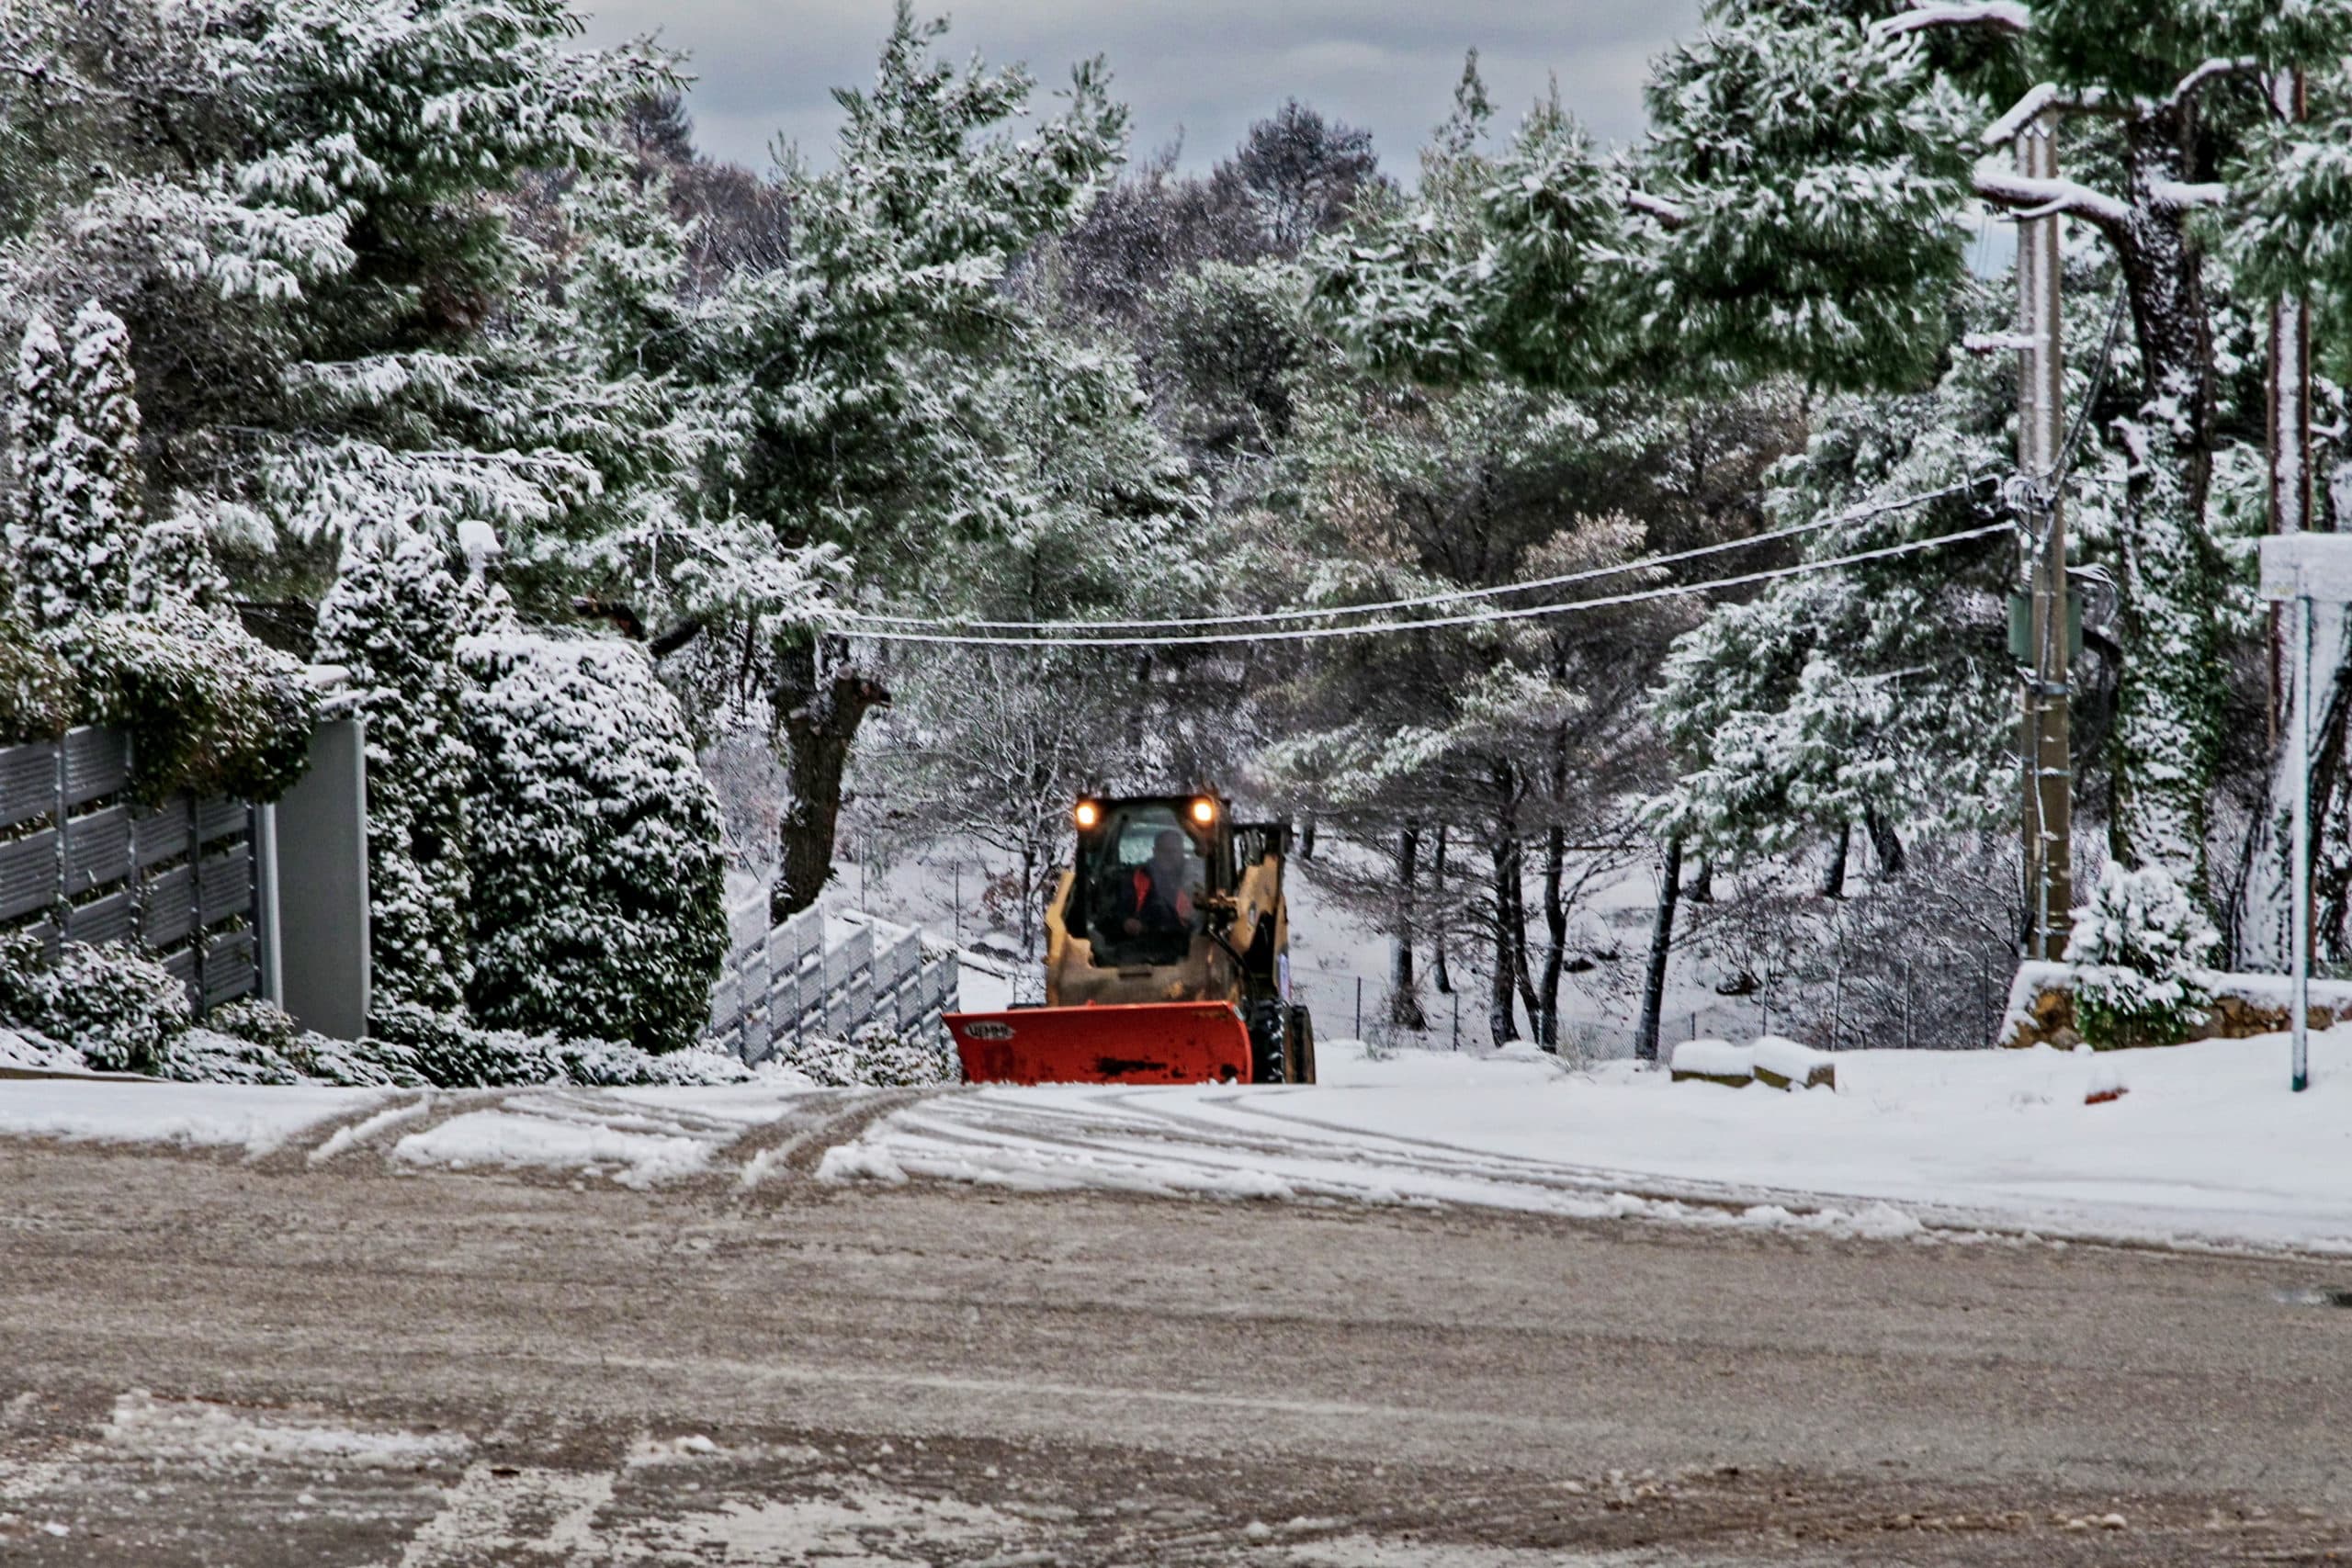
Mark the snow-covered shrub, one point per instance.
(599, 879)
(258, 1021)
(171, 563)
(878, 1057)
(74, 514)
(393, 620)
(207, 1055)
(452, 1052)
(254, 1040)
(208, 706)
(893, 1060)
(825, 1060)
(115, 1004)
(2137, 953)
(37, 688)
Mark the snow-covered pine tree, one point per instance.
(852, 376)
(1795, 210)
(172, 561)
(392, 619)
(599, 902)
(323, 257)
(75, 423)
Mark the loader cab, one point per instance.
(1147, 869)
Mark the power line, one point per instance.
(1524, 612)
(1456, 595)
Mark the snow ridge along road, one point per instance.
(2201, 1148)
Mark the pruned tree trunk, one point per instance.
(1502, 1022)
(1555, 938)
(1833, 872)
(1404, 988)
(1028, 899)
(1440, 974)
(2167, 736)
(1306, 838)
(1886, 843)
(820, 700)
(1646, 1030)
(1702, 883)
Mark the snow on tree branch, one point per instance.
(2210, 71)
(2038, 199)
(2006, 16)
(1669, 213)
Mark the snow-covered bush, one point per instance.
(599, 879)
(210, 707)
(878, 1057)
(393, 620)
(74, 514)
(171, 563)
(254, 1041)
(37, 688)
(116, 1005)
(2137, 953)
(452, 1052)
(207, 1055)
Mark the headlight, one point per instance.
(1205, 811)
(1088, 814)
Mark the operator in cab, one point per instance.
(1159, 896)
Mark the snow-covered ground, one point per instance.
(2205, 1145)
(188, 1115)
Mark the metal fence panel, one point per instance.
(98, 849)
(98, 763)
(95, 868)
(29, 873)
(28, 782)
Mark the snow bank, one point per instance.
(1714, 1059)
(1789, 1064)
(256, 1118)
(2208, 1147)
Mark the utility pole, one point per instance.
(2044, 741)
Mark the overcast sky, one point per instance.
(1204, 68)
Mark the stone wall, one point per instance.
(2042, 1007)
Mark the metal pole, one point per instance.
(2289, 406)
(2048, 806)
(959, 901)
(1358, 1007)
(1457, 1021)
(2302, 935)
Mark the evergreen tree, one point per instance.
(850, 378)
(317, 260)
(75, 425)
(172, 561)
(392, 619)
(599, 900)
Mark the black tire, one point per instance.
(1302, 1046)
(1269, 1043)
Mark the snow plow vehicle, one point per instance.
(1167, 957)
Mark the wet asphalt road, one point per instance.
(209, 1360)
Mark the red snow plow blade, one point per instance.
(1129, 1043)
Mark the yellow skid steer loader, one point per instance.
(1167, 958)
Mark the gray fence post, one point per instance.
(322, 893)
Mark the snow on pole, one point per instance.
(2302, 933)
(2310, 568)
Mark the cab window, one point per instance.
(1145, 881)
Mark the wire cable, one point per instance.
(1451, 596)
(1524, 611)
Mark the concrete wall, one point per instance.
(316, 927)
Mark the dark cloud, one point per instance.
(1204, 68)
